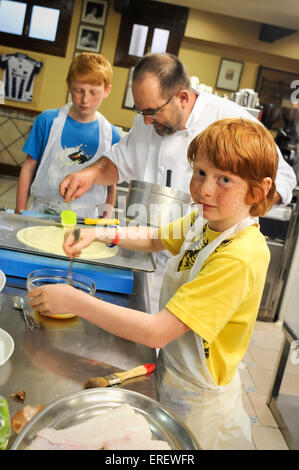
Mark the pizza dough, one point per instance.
(50, 239)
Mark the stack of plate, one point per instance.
(2, 280)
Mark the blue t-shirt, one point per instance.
(74, 134)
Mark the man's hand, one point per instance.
(102, 172)
(75, 185)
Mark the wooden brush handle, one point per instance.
(140, 370)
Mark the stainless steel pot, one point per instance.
(155, 205)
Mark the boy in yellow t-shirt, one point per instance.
(212, 287)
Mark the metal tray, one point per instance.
(78, 407)
(10, 224)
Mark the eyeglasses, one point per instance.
(152, 112)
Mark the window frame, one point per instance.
(57, 47)
(154, 15)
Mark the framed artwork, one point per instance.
(229, 75)
(128, 101)
(273, 85)
(89, 38)
(94, 12)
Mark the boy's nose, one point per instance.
(85, 96)
(207, 187)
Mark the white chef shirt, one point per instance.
(143, 155)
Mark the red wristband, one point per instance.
(116, 239)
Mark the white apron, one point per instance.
(55, 165)
(214, 414)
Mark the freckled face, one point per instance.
(86, 99)
(220, 193)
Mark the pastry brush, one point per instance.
(68, 218)
(119, 377)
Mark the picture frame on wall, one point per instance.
(274, 85)
(229, 75)
(94, 12)
(128, 101)
(89, 38)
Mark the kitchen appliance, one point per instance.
(245, 97)
(287, 137)
(280, 227)
(154, 205)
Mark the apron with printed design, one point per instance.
(215, 414)
(55, 165)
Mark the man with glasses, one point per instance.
(170, 114)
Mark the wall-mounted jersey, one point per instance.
(19, 73)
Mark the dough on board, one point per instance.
(50, 239)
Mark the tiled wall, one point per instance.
(15, 126)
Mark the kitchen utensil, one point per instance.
(7, 346)
(41, 277)
(119, 377)
(68, 218)
(69, 274)
(19, 304)
(36, 220)
(155, 205)
(90, 221)
(78, 407)
(168, 178)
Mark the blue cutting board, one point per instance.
(18, 264)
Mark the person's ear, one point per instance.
(183, 98)
(107, 91)
(267, 183)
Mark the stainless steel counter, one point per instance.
(11, 223)
(57, 360)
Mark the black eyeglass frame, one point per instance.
(154, 112)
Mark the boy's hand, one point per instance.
(72, 248)
(53, 299)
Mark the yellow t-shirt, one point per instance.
(221, 303)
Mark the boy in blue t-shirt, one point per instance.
(65, 140)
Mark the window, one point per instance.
(36, 25)
(149, 27)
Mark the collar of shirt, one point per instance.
(192, 121)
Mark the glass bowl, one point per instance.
(41, 277)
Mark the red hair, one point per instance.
(245, 148)
(91, 68)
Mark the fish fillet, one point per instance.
(118, 428)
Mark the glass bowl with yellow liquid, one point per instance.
(41, 277)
